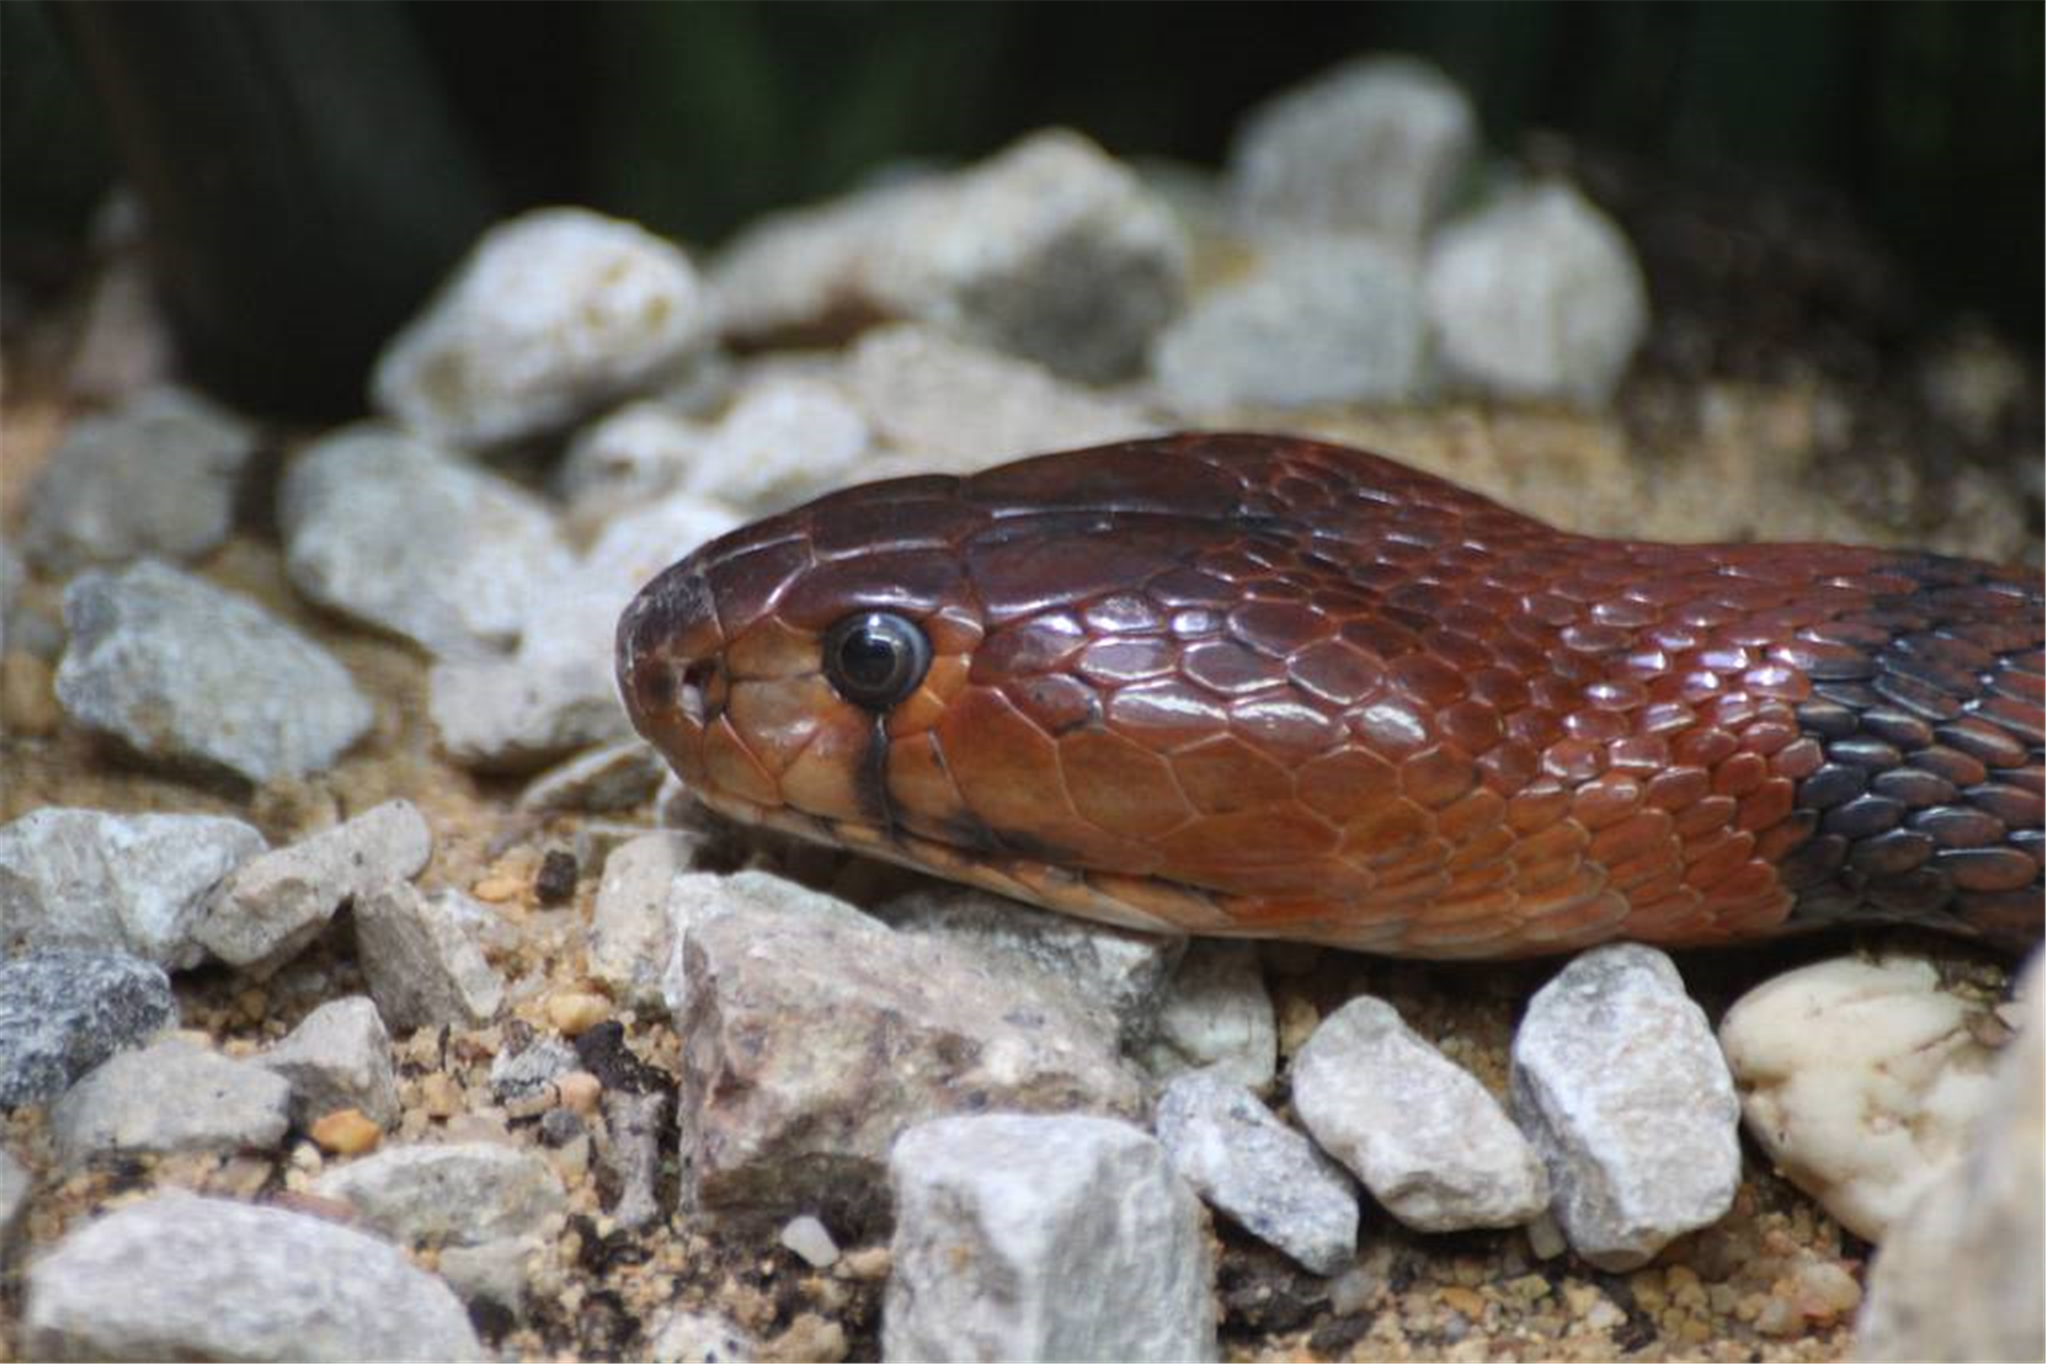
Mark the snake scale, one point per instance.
(1267, 687)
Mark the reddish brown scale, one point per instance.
(1268, 687)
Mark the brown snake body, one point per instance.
(1260, 686)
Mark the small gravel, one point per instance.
(1216, 1015)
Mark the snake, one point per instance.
(1261, 686)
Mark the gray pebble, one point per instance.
(178, 1277)
(339, 1057)
(1267, 1178)
(490, 1277)
(679, 1337)
(272, 907)
(421, 955)
(637, 1123)
(404, 537)
(173, 1096)
(64, 1012)
(631, 942)
(188, 675)
(155, 476)
(1044, 1238)
(464, 1193)
(117, 882)
(1620, 1084)
(816, 1035)
(1431, 1144)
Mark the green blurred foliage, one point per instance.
(695, 117)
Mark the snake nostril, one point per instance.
(689, 689)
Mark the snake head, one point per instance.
(775, 666)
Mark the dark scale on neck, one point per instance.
(1928, 808)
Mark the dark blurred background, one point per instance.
(343, 155)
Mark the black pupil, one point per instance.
(876, 659)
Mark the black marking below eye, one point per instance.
(1909, 808)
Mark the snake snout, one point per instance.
(667, 651)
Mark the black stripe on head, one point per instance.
(1928, 807)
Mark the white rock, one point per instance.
(809, 1239)
(465, 1193)
(155, 476)
(15, 1187)
(629, 457)
(950, 407)
(816, 1035)
(1861, 1079)
(809, 271)
(1264, 1176)
(384, 527)
(1216, 1015)
(1618, 1082)
(1041, 1238)
(421, 956)
(1427, 1139)
(63, 1012)
(174, 1096)
(508, 717)
(1115, 974)
(339, 1057)
(785, 441)
(551, 314)
(1537, 296)
(132, 883)
(631, 942)
(178, 1277)
(1958, 1276)
(272, 907)
(679, 1337)
(189, 675)
(1317, 319)
(1050, 250)
(1377, 144)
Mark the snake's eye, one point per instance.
(876, 658)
